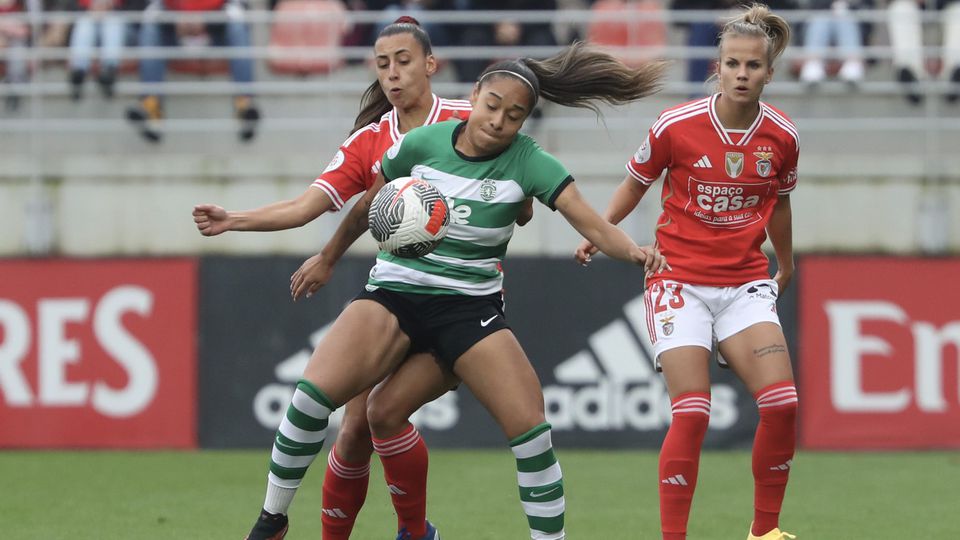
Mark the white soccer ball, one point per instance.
(408, 217)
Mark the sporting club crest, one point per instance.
(764, 164)
(488, 190)
(667, 325)
(734, 164)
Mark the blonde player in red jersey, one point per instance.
(397, 102)
(731, 164)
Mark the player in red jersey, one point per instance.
(397, 102)
(731, 163)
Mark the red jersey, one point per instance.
(357, 163)
(719, 191)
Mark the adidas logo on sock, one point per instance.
(677, 480)
(703, 163)
(334, 512)
(783, 466)
(395, 490)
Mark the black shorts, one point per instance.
(446, 324)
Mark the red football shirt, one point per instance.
(357, 162)
(719, 192)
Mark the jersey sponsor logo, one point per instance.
(335, 163)
(721, 204)
(271, 401)
(764, 165)
(791, 178)
(757, 291)
(460, 214)
(488, 190)
(733, 162)
(611, 384)
(643, 153)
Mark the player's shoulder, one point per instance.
(369, 134)
(682, 115)
(455, 105)
(781, 122)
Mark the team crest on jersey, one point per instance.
(734, 164)
(336, 162)
(764, 165)
(643, 154)
(488, 190)
(667, 325)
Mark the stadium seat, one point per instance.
(324, 32)
(633, 41)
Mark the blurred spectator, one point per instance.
(392, 9)
(192, 29)
(834, 25)
(14, 36)
(702, 34)
(506, 32)
(99, 24)
(706, 33)
(906, 38)
(634, 40)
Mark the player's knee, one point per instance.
(353, 439)
(386, 414)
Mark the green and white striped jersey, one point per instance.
(485, 195)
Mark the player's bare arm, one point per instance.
(626, 197)
(212, 220)
(606, 236)
(315, 272)
(780, 231)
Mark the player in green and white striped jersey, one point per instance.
(449, 301)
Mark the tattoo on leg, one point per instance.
(769, 349)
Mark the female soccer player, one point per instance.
(449, 301)
(398, 101)
(732, 163)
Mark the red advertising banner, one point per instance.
(98, 353)
(880, 348)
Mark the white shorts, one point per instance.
(679, 314)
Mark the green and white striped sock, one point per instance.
(298, 441)
(541, 483)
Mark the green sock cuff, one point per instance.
(530, 435)
(311, 390)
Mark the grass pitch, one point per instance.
(473, 496)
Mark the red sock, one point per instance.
(344, 490)
(680, 462)
(773, 449)
(404, 458)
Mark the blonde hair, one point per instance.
(758, 21)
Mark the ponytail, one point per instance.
(374, 103)
(759, 21)
(580, 76)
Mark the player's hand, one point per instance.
(783, 278)
(314, 273)
(211, 219)
(653, 261)
(584, 252)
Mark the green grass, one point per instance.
(473, 496)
